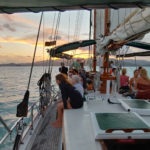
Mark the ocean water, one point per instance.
(13, 84)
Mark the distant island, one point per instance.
(127, 62)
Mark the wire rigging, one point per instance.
(35, 51)
(55, 39)
(43, 43)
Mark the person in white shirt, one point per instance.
(76, 81)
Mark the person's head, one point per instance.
(143, 74)
(75, 72)
(62, 64)
(70, 73)
(136, 73)
(75, 79)
(139, 69)
(124, 71)
(114, 70)
(61, 78)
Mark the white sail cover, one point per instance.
(137, 22)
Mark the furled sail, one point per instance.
(139, 44)
(115, 18)
(135, 54)
(62, 55)
(71, 46)
(134, 26)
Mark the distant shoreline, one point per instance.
(128, 63)
(59, 65)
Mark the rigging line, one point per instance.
(135, 62)
(51, 38)
(76, 29)
(43, 43)
(54, 38)
(118, 16)
(69, 27)
(35, 51)
(57, 26)
(52, 32)
(90, 24)
(144, 18)
(79, 24)
(124, 25)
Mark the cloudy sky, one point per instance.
(18, 34)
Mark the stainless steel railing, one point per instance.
(10, 130)
(32, 116)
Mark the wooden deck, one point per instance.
(48, 137)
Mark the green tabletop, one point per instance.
(107, 121)
(140, 104)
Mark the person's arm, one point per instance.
(60, 69)
(64, 96)
(130, 83)
(135, 85)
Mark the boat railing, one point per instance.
(22, 125)
(10, 130)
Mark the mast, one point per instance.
(94, 48)
(106, 33)
(106, 75)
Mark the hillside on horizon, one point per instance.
(127, 62)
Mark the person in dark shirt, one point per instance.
(71, 98)
(63, 69)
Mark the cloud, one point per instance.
(17, 19)
(10, 28)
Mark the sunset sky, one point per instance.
(18, 34)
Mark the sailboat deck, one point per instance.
(48, 137)
(78, 127)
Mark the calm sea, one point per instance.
(13, 84)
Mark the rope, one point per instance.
(55, 38)
(69, 27)
(52, 37)
(53, 24)
(90, 30)
(34, 51)
(43, 43)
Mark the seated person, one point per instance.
(139, 69)
(124, 82)
(76, 81)
(83, 77)
(90, 84)
(70, 74)
(133, 81)
(71, 98)
(143, 85)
